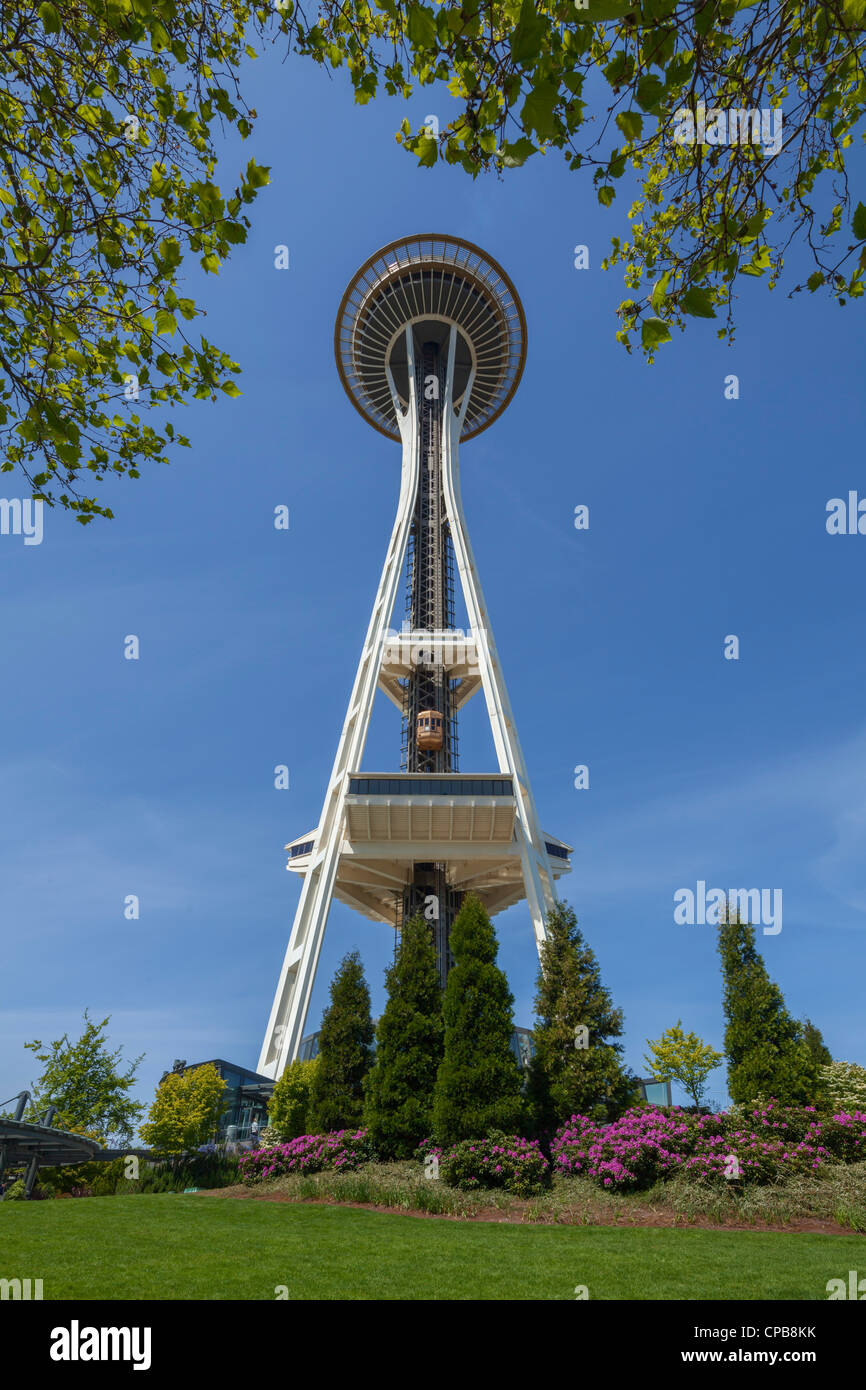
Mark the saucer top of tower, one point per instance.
(430, 282)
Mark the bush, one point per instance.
(500, 1160)
(648, 1145)
(845, 1136)
(15, 1192)
(643, 1145)
(844, 1085)
(188, 1170)
(341, 1151)
(81, 1178)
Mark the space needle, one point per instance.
(430, 342)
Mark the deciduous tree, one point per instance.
(107, 189)
(683, 1057)
(186, 1110)
(87, 1083)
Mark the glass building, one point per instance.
(246, 1098)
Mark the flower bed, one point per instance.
(757, 1144)
(341, 1152)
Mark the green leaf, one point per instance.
(759, 262)
(165, 322)
(537, 111)
(653, 332)
(858, 226)
(526, 43)
(517, 152)
(815, 281)
(660, 289)
(50, 18)
(649, 92)
(606, 195)
(421, 27)
(427, 150)
(159, 37)
(698, 303)
(630, 123)
(258, 174)
(231, 388)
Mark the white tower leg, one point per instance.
(297, 977)
(537, 878)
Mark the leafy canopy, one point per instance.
(186, 1110)
(87, 1084)
(683, 1057)
(601, 81)
(107, 162)
(108, 112)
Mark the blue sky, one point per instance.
(707, 517)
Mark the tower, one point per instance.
(430, 342)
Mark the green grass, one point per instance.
(197, 1247)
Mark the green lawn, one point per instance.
(198, 1247)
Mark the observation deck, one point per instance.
(392, 822)
(431, 282)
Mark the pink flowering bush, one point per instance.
(845, 1136)
(500, 1160)
(751, 1144)
(340, 1151)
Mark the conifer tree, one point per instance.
(816, 1044)
(766, 1052)
(478, 1086)
(577, 1066)
(345, 1051)
(398, 1109)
